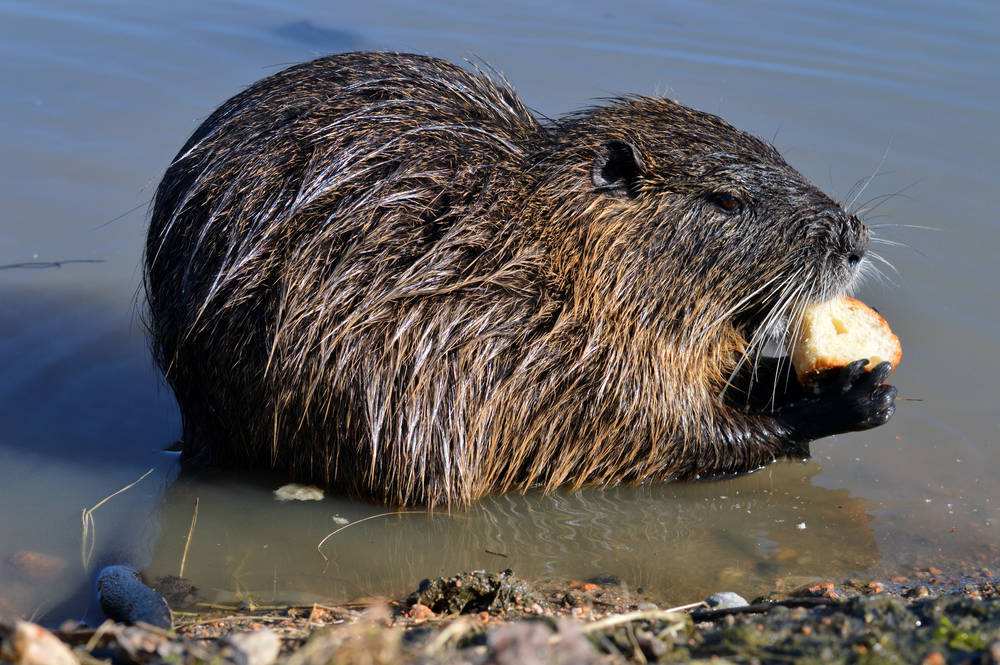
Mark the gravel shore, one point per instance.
(496, 618)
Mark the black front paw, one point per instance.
(846, 399)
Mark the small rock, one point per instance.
(36, 565)
(875, 587)
(934, 658)
(296, 492)
(126, 599)
(421, 612)
(572, 598)
(586, 587)
(726, 600)
(319, 614)
(652, 607)
(33, 645)
(340, 521)
(934, 570)
(817, 590)
(178, 591)
(260, 647)
(899, 579)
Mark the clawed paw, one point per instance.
(845, 399)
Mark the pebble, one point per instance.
(296, 492)
(33, 645)
(587, 587)
(260, 647)
(725, 600)
(419, 612)
(934, 658)
(36, 565)
(126, 599)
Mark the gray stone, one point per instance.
(725, 600)
(126, 599)
(260, 647)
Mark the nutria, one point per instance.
(383, 273)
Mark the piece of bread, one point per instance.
(838, 332)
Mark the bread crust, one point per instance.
(806, 369)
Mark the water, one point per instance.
(98, 97)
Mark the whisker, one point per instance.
(870, 205)
(896, 243)
(904, 226)
(882, 259)
(878, 168)
(857, 183)
(783, 296)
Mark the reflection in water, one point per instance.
(679, 542)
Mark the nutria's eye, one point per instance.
(726, 202)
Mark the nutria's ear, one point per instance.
(617, 169)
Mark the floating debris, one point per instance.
(296, 492)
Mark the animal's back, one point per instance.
(298, 235)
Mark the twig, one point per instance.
(267, 618)
(187, 543)
(636, 649)
(95, 639)
(760, 608)
(37, 265)
(319, 548)
(88, 536)
(640, 615)
(495, 553)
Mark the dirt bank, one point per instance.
(483, 618)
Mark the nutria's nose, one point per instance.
(855, 239)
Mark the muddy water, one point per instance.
(98, 96)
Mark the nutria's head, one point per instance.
(693, 223)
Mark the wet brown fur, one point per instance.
(382, 273)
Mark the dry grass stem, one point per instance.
(319, 547)
(88, 536)
(187, 543)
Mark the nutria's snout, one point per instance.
(856, 240)
(843, 243)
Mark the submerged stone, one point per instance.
(126, 598)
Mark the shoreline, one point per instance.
(499, 618)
